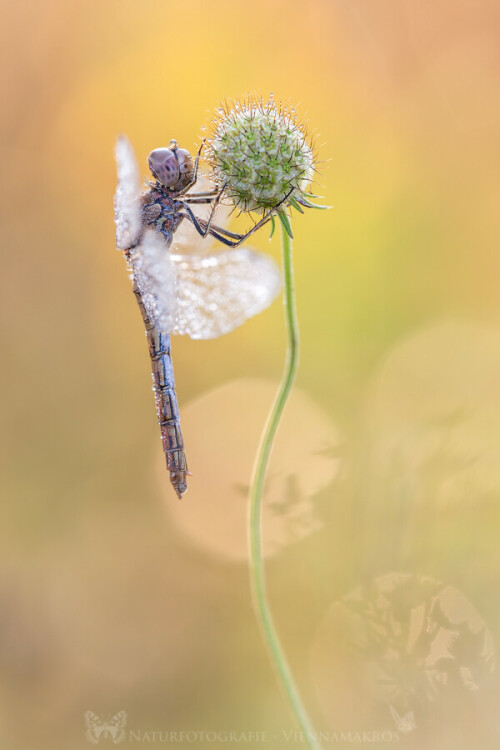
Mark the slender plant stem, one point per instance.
(257, 571)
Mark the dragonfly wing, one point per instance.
(127, 205)
(155, 276)
(217, 293)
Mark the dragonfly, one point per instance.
(182, 289)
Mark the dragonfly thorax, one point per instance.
(161, 211)
(172, 167)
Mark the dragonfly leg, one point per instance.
(195, 171)
(226, 232)
(203, 230)
(217, 232)
(201, 197)
(213, 230)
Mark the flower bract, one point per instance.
(260, 154)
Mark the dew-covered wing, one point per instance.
(127, 202)
(154, 274)
(217, 293)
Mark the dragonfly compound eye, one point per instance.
(185, 161)
(164, 166)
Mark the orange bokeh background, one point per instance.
(113, 597)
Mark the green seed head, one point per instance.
(260, 153)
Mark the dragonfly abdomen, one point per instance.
(166, 401)
(167, 408)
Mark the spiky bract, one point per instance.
(259, 152)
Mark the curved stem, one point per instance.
(257, 572)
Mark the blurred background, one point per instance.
(383, 502)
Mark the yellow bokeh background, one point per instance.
(111, 598)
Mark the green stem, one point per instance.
(257, 572)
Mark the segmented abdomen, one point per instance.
(166, 401)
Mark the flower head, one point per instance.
(260, 153)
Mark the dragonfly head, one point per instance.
(172, 167)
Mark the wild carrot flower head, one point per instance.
(260, 153)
